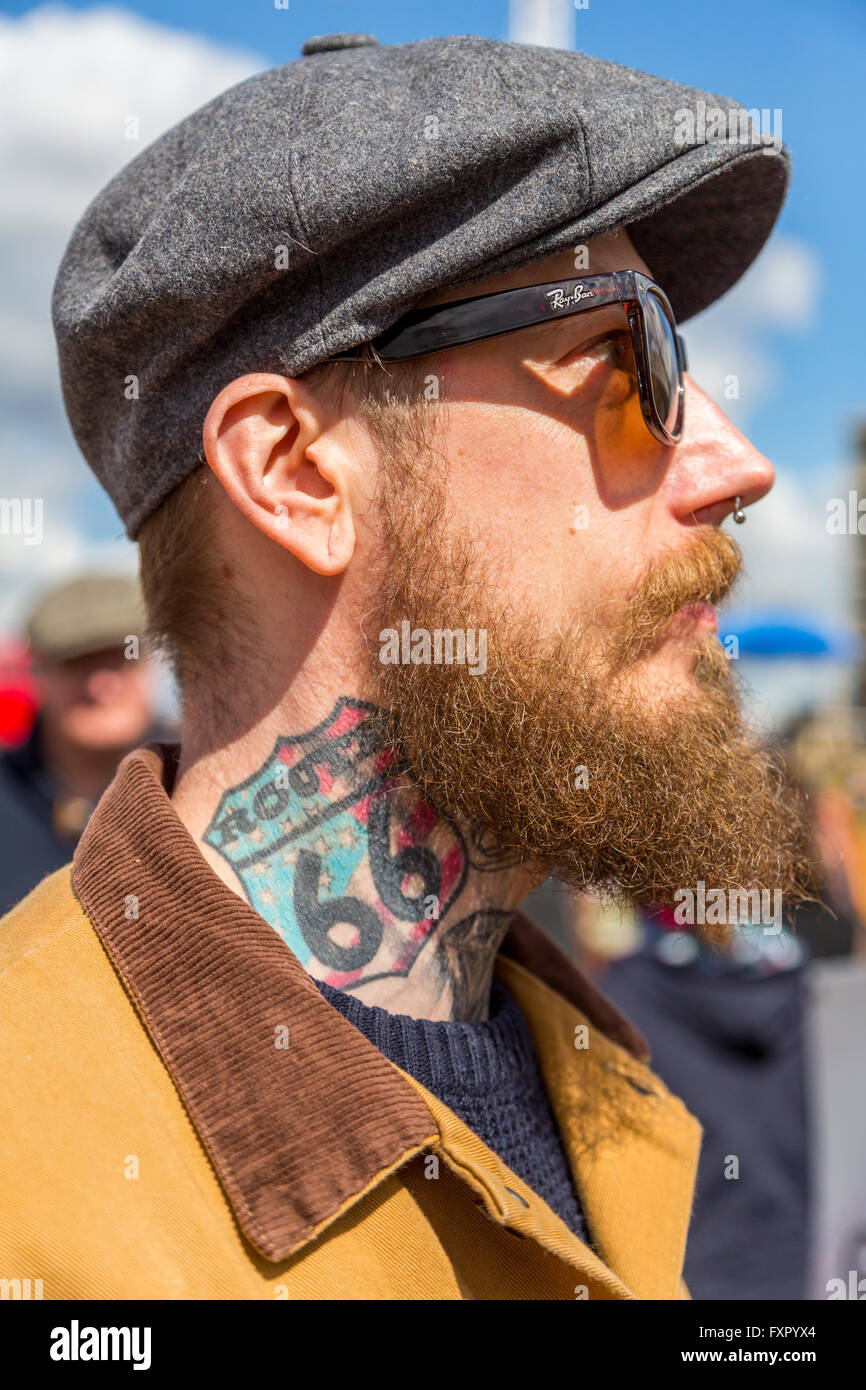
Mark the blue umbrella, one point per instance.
(782, 634)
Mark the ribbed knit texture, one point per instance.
(487, 1073)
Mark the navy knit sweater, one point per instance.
(487, 1073)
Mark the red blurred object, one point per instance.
(664, 917)
(19, 700)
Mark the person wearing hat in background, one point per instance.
(95, 691)
(377, 355)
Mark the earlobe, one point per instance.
(319, 532)
(272, 445)
(341, 541)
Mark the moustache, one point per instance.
(703, 571)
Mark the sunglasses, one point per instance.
(659, 351)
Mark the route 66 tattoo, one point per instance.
(332, 859)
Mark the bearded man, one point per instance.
(378, 357)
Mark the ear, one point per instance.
(270, 440)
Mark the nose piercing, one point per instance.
(739, 511)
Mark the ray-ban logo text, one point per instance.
(563, 299)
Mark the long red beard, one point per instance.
(552, 758)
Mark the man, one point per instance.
(95, 705)
(441, 615)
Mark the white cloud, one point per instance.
(546, 22)
(790, 557)
(69, 81)
(792, 562)
(778, 293)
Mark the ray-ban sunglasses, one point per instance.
(659, 351)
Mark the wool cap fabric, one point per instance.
(303, 211)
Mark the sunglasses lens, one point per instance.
(663, 362)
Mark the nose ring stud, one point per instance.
(739, 511)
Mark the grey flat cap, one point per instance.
(302, 211)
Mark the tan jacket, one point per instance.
(186, 1117)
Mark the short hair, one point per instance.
(196, 616)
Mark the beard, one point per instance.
(564, 755)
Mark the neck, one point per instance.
(375, 892)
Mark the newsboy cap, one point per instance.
(303, 211)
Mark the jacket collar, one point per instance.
(249, 1041)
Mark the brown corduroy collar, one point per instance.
(299, 1113)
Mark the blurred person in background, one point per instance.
(726, 1027)
(95, 703)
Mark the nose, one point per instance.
(714, 464)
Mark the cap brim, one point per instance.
(712, 223)
(698, 222)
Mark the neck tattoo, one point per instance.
(372, 889)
